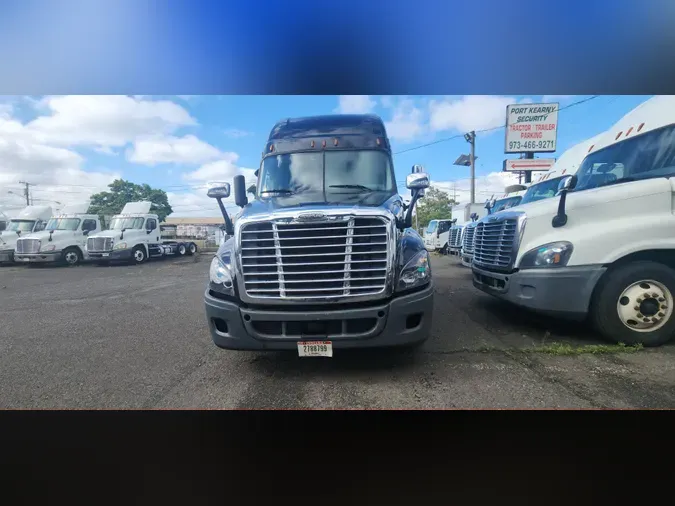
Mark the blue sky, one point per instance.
(74, 145)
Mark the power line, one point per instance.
(489, 129)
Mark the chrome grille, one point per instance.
(27, 245)
(494, 243)
(321, 260)
(455, 237)
(467, 242)
(99, 244)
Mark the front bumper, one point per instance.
(564, 291)
(400, 321)
(466, 259)
(33, 258)
(117, 254)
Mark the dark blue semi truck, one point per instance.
(324, 256)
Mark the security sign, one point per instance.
(531, 128)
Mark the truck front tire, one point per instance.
(71, 256)
(138, 255)
(634, 304)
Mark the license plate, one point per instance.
(315, 348)
(105, 254)
(25, 259)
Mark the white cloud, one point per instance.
(472, 112)
(192, 200)
(493, 183)
(407, 122)
(105, 120)
(221, 170)
(54, 170)
(355, 104)
(169, 149)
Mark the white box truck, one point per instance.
(436, 234)
(134, 235)
(63, 240)
(30, 219)
(605, 247)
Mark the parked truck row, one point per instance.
(73, 236)
(594, 239)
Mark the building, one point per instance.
(208, 229)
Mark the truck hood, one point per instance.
(8, 239)
(109, 233)
(348, 199)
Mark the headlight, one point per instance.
(417, 272)
(553, 254)
(120, 245)
(48, 247)
(221, 277)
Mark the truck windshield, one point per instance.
(645, 156)
(21, 225)
(443, 226)
(432, 227)
(333, 171)
(506, 203)
(126, 223)
(63, 224)
(541, 191)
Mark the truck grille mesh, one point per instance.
(314, 261)
(455, 237)
(467, 242)
(99, 244)
(27, 245)
(494, 243)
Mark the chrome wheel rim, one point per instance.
(138, 255)
(192, 248)
(645, 306)
(71, 257)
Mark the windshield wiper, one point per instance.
(354, 186)
(281, 190)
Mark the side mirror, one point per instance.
(219, 192)
(240, 197)
(566, 184)
(86, 231)
(417, 181)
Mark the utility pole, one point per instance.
(471, 139)
(26, 191)
(528, 173)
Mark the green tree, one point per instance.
(122, 192)
(435, 205)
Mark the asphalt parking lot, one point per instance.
(136, 337)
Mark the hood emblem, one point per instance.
(311, 217)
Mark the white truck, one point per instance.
(134, 235)
(436, 234)
(63, 240)
(605, 248)
(30, 219)
(511, 198)
(462, 215)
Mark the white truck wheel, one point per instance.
(138, 255)
(181, 249)
(634, 304)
